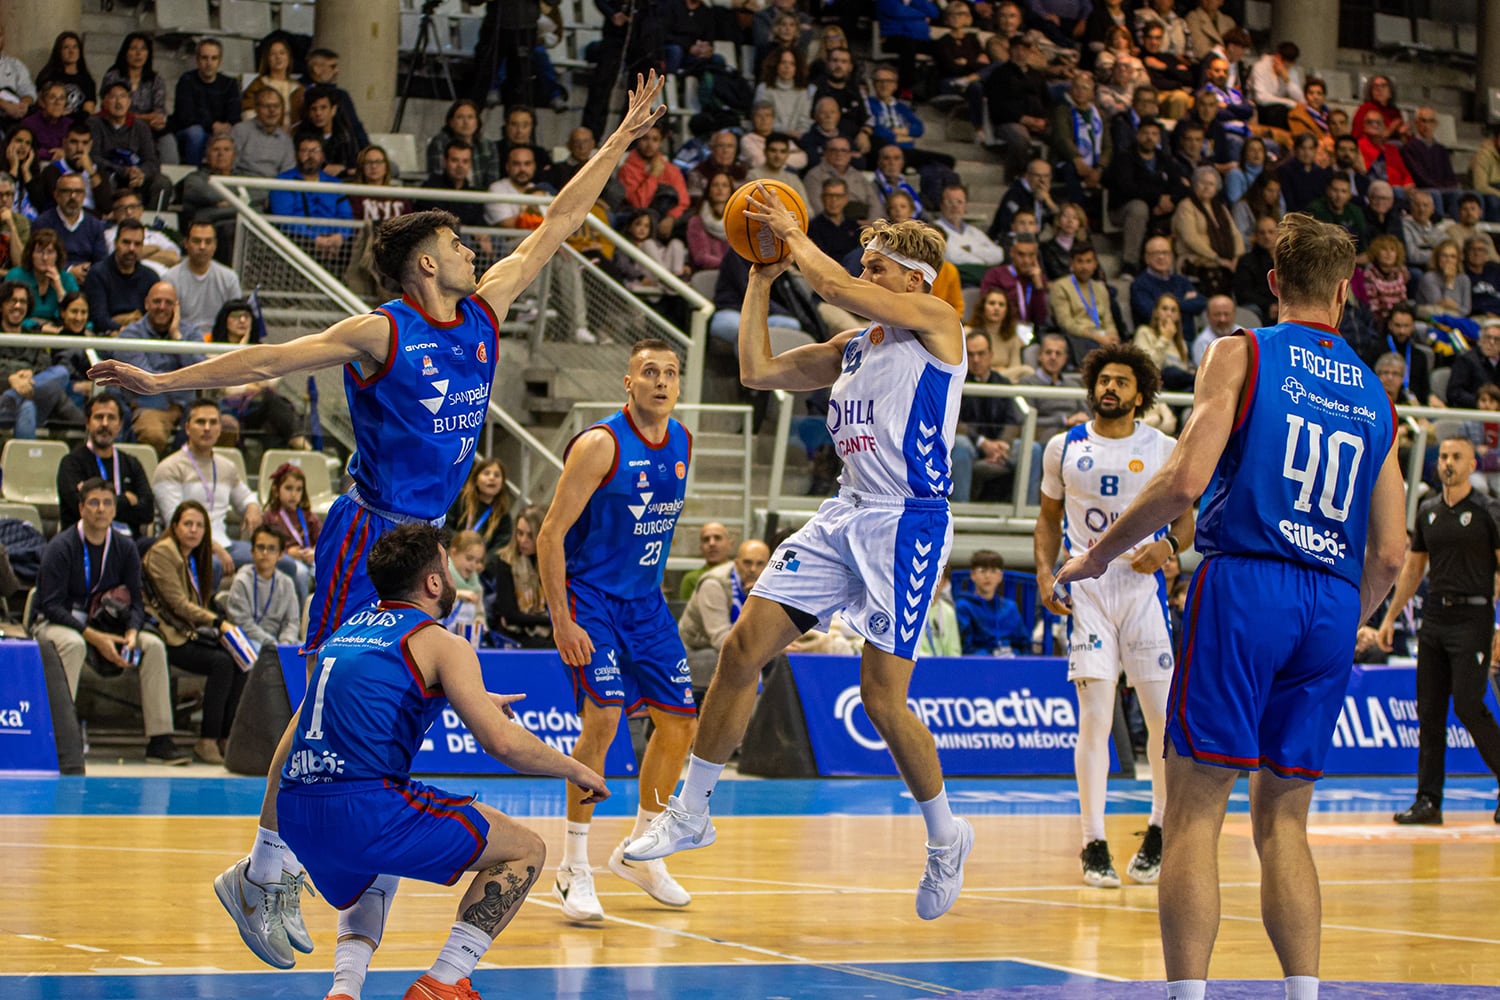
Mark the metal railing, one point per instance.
(1018, 515)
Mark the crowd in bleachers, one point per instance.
(1145, 153)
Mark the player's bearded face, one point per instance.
(448, 597)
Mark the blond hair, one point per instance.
(913, 238)
(1311, 258)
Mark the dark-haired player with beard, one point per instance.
(418, 372)
(1090, 474)
(348, 803)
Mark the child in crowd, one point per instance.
(465, 561)
(289, 513)
(262, 599)
(989, 623)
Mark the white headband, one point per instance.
(880, 246)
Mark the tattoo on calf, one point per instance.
(503, 893)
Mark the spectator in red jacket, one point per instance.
(1383, 159)
(652, 181)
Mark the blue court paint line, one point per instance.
(1244, 989)
(760, 981)
(543, 798)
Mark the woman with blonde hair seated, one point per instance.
(992, 315)
(1163, 342)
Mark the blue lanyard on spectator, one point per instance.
(103, 474)
(478, 524)
(1406, 376)
(1025, 294)
(88, 564)
(1092, 304)
(193, 576)
(737, 604)
(208, 491)
(256, 610)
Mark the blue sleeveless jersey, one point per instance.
(417, 419)
(619, 544)
(366, 707)
(1296, 476)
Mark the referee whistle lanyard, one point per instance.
(88, 566)
(299, 536)
(208, 491)
(115, 459)
(1092, 305)
(256, 611)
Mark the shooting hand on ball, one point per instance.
(765, 207)
(770, 272)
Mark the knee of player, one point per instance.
(737, 664)
(677, 728)
(884, 706)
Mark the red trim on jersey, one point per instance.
(1180, 675)
(357, 895)
(1317, 326)
(614, 464)
(580, 681)
(354, 560)
(653, 445)
(494, 322)
(455, 321)
(429, 805)
(1252, 377)
(411, 664)
(390, 358)
(326, 626)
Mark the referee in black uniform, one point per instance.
(1459, 531)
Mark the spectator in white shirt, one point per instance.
(203, 284)
(198, 473)
(969, 248)
(1276, 84)
(160, 253)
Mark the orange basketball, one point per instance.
(748, 237)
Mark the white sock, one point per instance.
(351, 962)
(466, 945)
(1096, 716)
(1301, 988)
(267, 857)
(1153, 698)
(702, 776)
(576, 846)
(642, 820)
(1187, 989)
(941, 828)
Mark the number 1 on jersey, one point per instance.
(315, 724)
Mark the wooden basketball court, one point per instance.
(808, 892)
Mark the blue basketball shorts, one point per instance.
(877, 559)
(1266, 654)
(341, 586)
(638, 655)
(348, 833)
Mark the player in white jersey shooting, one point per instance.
(1090, 474)
(875, 551)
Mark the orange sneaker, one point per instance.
(428, 988)
(338, 996)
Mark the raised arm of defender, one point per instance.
(363, 339)
(509, 276)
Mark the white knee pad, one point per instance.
(366, 918)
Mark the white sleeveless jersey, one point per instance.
(1098, 477)
(892, 415)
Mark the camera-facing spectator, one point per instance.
(262, 599)
(203, 284)
(838, 81)
(67, 64)
(1209, 244)
(373, 168)
(1466, 227)
(43, 267)
(838, 164)
(763, 126)
(715, 605)
(201, 202)
(1023, 282)
(97, 457)
(323, 71)
(274, 74)
(155, 416)
(1303, 181)
(158, 252)
(1143, 184)
(324, 241)
(180, 590)
(776, 166)
(465, 122)
(289, 513)
(118, 286)
(37, 390)
(320, 120)
(483, 505)
(651, 180)
(1163, 341)
(1079, 304)
(1159, 279)
(519, 179)
(989, 623)
(1444, 289)
(706, 240)
(832, 229)
(1338, 208)
(458, 168)
(1251, 287)
(196, 473)
(124, 146)
(1429, 162)
(82, 234)
(782, 83)
(262, 145)
(49, 121)
(88, 606)
(208, 102)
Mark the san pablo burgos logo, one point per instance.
(435, 403)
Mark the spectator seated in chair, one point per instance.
(98, 458)
(717, 598)
(262, 599)
(519, 608)
(36, 391)
(196, 474)
(990, 623)
(88, 606)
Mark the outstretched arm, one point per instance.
(365, 339)
(508, 277)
